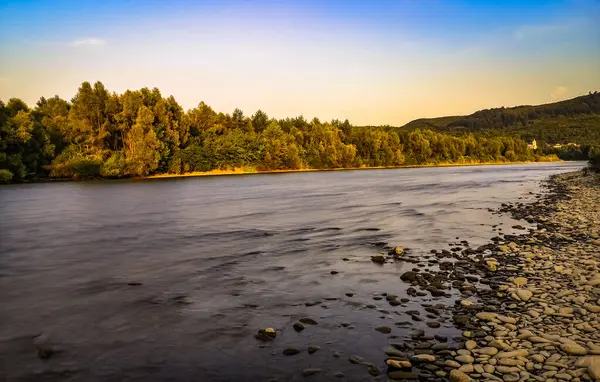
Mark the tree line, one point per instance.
(99, 134)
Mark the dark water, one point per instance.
(221, 257)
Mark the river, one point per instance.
(169, 279)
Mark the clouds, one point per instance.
(559, 93)
(536, 31)
(527, 32)
(90, 41)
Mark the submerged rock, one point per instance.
(397, 251)
(298, 327)
(409, 276)
(291, 351)
(310, 371)
(267, 334)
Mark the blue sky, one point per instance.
(376, 62)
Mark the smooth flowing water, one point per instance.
(169, 279)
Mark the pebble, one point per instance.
(488, 351)
(291, 351)
(459, 376)
(573, 349)
(298, 327)
(398, 364)
(383, 329)
(524, 294)
(423, 358)
(308, 321)
(311, 371)
(465, 359)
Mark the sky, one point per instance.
(372, 62)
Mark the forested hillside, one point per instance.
(575, 121)
(138, 133)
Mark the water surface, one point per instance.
(220, 257)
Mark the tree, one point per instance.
(201, 119)
(260, 120)
(142, 144)
(279, 149)
(87, 116)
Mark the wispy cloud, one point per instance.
(538, 31)
(559, 93)
(88, 42)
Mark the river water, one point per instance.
(169, 279)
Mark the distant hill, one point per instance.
(574, 120)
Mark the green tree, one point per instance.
(142, 145)
(260, 120)
(279, 149)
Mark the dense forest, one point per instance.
(575, 121)
(99, 134)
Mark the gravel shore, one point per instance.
(534, 315)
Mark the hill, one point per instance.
(575, 120)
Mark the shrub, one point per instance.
(78, 167)
(5, 176)
(114, 167)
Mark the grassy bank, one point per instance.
(251, 171)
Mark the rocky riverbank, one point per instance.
(527, 307)
(534, 315)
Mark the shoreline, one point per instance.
(242, 171)
(529, 306)
(256, 172)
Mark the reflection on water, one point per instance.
(170, 278)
